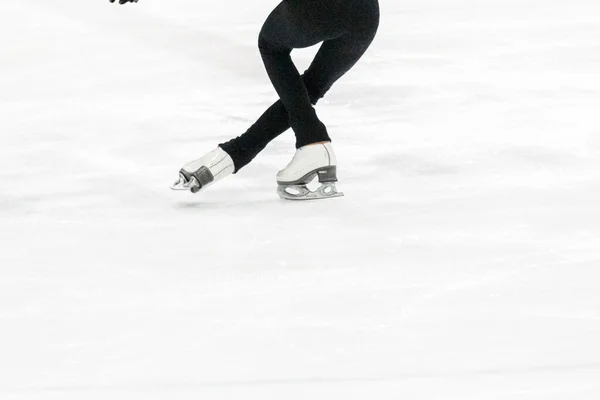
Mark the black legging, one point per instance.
(347, 28)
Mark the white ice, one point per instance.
(463, 263)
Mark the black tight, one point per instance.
(346, 28)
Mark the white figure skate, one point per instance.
(317, 160)
(200, 173)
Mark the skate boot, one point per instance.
(204, 171)
(310, 161)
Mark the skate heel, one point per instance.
(327, 174)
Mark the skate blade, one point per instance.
(183, 184)
(192, 185)
(180, 184)
(302, 193)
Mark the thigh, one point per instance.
(333, 60)
(295, 24)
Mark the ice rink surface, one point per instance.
(463, 263)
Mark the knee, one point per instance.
(268, 45)
(264, 45)
(265, 41)
(266, 38)
(270, 36)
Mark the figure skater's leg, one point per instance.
(334, 59)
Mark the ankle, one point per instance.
(314, 144)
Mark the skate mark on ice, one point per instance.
(538, 155)
(11, 205)
(170, 386)
(494, 276)
(411, 165)
(119, 169)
